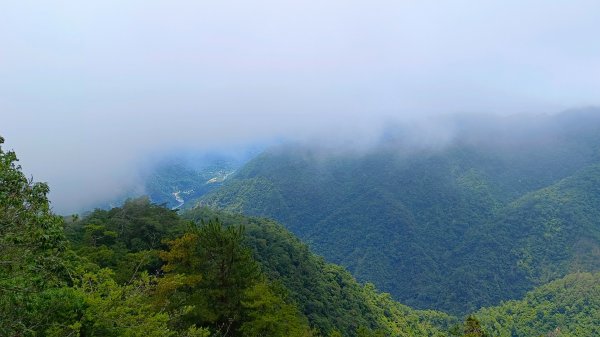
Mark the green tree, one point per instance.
(218, 269)
(126, 238)
(46, 290)
(267, 314)
(108, 309)
(32, 248)
(472, 328)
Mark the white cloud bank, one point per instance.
(89, 88)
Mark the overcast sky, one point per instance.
(88, 89)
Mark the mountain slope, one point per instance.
(566, 307)
(91, 276)
(546, 233)
(327, 294)
(419, 223)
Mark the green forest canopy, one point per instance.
(143, 270)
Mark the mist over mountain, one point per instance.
(179, 178)
(299, 168)
(90, 91)
(143, 270)
(507, 204)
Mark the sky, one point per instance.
(90, 89)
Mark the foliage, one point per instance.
(109, 309)
(142, 270)
(32, 248)
(472, 328)
(566, 307)
(326, 294)
(127, 238)
(500, 210)
(218, 270)
(268, 314)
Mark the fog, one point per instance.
(90, 90)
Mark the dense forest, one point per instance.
(301, 168)
(142, 269)
(507, 205)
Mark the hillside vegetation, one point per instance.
(144, 270)
(509, 204)
(566, 307)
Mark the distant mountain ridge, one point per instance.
(508, 204)
(145, 270)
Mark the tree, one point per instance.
(126, 239)
(45, 289)
(114, 310)
(32, 247)
(472, 328)
(217, 270)
(268, 314)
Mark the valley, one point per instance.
(302, 168)
(142, 269)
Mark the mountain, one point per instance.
(327, 294)
(124, 238)
(143, 270)
(508, 204)
(566, 307)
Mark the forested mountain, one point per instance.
(143, 270)
(508, 204)
(326, 293)
(566, 307)
(131, 237)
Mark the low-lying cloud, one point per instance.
(89, 90)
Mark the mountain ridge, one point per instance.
(429, 207)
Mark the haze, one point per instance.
(90, 89)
